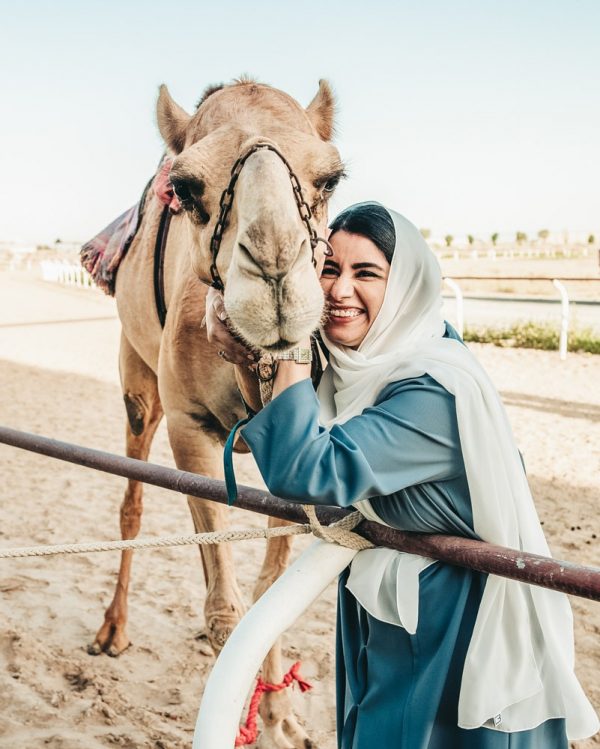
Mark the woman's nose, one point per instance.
(341, 289)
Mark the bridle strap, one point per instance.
(227, 201)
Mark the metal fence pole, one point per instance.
(460, 307)
(564, 318)
(463, 552)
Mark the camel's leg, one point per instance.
(281, 728)
(198, 450)
(144, 413)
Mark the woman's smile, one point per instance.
(342, 315)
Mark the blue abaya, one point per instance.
(394, 690)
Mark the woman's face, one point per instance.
(353, 280)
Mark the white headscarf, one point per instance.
(519, 666)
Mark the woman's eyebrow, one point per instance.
(358, 266)
(332, 264)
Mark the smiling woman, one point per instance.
(407, 427)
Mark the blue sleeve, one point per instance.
(410, 436)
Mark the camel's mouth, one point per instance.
(280, 345)
(274, 317)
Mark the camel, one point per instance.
(273, 299)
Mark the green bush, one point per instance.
(534, 335)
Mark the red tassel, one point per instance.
(249, 731)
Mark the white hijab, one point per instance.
(519, 666)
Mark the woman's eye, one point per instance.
(329, 272)
(366, 274)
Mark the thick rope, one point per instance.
(217, 537)
(337, 533)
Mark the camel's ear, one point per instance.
(321, 110)
(172, 120)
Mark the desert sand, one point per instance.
(58, 349)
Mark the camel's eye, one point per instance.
(190, 193)
(331, 184)
(327, 184)
(182, 191)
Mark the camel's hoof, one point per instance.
(218, 631)
(285, 734)
(114, 650)
(94, 648)
(110, 640)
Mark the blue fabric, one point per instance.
(230, 482)
(394, 690)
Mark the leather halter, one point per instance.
(222, 222)
(159, 265)
(227, 200)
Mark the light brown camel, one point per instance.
(273, 298)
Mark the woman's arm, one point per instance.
(410, 437)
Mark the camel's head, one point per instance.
(272, 291)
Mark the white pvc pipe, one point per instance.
(236, 667)
(460, 311)
(564, 318)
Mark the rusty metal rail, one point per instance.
(462, 552)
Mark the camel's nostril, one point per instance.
(248, 261)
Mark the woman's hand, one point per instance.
(219, 334)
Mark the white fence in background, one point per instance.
(510, 253)
(70, 274)
(564, 308)
(460, 305)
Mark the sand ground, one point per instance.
(58, 377)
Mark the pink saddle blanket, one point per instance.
(102, 255)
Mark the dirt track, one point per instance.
(59, 378)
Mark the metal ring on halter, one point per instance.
(221, 353)
(328, 251)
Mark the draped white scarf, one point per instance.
(519, 666)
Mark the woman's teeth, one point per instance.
(345, 312)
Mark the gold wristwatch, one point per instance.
(298, 355)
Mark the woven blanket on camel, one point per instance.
(102, 254)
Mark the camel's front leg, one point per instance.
(281, 729)
(196, 450)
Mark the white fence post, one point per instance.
(460, 312)
(564, 318)
(239, 661)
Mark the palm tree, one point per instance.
(470, 239)
(448, 239)
(591, 239)
(521, 237)
(543, 234)
(494, 238)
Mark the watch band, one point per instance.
(298, 355)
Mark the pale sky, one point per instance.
(466, 116)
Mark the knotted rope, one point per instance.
(338, 533)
